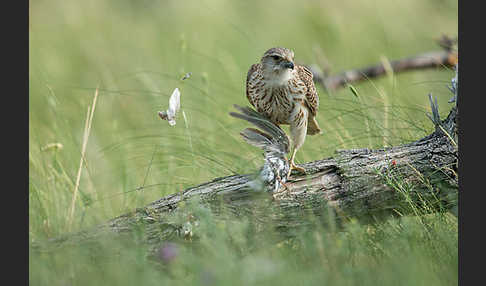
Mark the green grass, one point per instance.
(136, 52)
(405, 251)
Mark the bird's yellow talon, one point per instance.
(295, 167)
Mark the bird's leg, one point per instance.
(292, 164)
(298, 131)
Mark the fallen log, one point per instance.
(359, 183)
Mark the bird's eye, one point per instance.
(275, 57)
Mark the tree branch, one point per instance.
(445, 59)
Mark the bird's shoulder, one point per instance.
(253, 70)
(311, 96)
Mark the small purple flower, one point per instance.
(168, 252)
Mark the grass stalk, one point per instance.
(87, 129)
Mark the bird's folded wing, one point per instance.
(311, 97)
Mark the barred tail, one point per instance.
(313, 127)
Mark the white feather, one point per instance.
(174, 106)
(175, 102)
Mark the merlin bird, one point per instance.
(285, 94)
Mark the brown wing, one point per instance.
(312, 99)
(252, 69)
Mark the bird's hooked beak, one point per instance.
(288, 65)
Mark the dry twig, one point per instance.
(446, 58)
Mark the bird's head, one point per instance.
(278, 62)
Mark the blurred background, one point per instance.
(136, 52)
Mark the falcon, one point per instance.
(285, 94)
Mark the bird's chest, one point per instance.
(278, 102)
